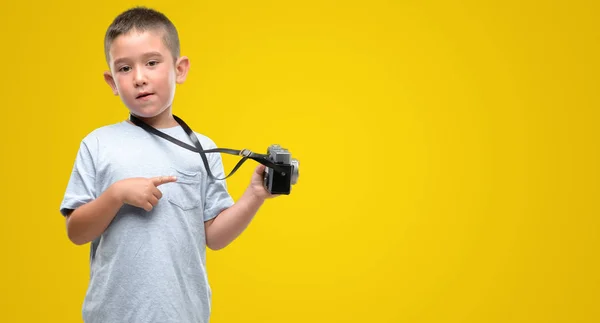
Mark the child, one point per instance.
(147, 205)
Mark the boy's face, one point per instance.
(144, 74)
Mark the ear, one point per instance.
(182, 66)
(111, 82)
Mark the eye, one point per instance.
(124, 69)
(152, 63)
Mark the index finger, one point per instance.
(159, 180)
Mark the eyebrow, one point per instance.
(145, 55)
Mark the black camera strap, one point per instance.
(245, 153)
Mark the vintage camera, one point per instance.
(280, 182)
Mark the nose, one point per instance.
(139, 79)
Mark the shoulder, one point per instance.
(207, 143)
(115, 130)
(103, 135)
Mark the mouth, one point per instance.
(143, 95)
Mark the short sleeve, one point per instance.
(81, 186)
(217, 197)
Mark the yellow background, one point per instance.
(448, 155)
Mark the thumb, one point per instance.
(159, 180)
(260, 169)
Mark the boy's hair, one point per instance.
(142, 19)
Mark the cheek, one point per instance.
(167, 82)
(120, 82)
(171, 78)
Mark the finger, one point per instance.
(148, 207)
(157, 193)
(260, 169)
(153, 200)
(163, 179)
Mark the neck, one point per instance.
(163, 120)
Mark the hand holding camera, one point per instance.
(280, 180)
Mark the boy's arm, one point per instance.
(89, 221)
(230, 223)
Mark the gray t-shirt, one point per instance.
(148, 266)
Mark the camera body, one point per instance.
(280, 182)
